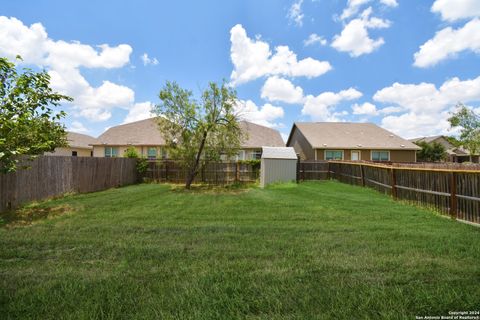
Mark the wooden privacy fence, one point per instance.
(50, 176)
(219, 173)
(452, 192)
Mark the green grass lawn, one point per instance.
(319, 250)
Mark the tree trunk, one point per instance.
(193, 171)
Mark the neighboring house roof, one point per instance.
(349, 135)
(145, 133)
(260, 136)
(78, 140)
(279, 153)
(450, 148)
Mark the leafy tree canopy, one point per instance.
(431, 152)
(199, 130)
(469, 123)
(28, 123)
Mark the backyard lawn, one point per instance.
(317, 250)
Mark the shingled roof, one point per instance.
(350, 135)
(138, 133)
(260, 136)
(146, 133)
(78, 140)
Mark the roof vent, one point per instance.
(359, 145)
(324, 144)
(402, 145)
(391, 136)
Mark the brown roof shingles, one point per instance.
(349, 135)
(78, 140)
(145, 132)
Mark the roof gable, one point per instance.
(78, 140)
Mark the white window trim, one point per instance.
(359, 154)
(372, 151)
(325, 153)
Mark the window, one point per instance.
(164, 153)
(380, 155)
(241, 155)
(256, 154)
(111, 152)
(74, 153)
(152, 153)
(333, 155)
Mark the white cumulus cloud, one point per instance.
(295, 13)
(147, 60)
(253, 59)
(139, 111)
(426, 106)
(366, 108)
(447, 43)
(452, 10)
(279, 89)
(322, 107)
(63, 59)
(265, 115)
(354, 37)
(314, 39)
(77, 126)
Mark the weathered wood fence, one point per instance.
(53, 176)
(453, 192)
(218, 173)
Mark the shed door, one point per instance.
(355, 155)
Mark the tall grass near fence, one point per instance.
(452, 192)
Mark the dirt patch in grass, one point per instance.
(213, 189)
(31, 214)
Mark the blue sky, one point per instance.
(401, 64)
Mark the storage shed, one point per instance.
(278, 164)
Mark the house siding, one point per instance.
(81, 152)
(395, 155)
(99, 151)
(301, 145)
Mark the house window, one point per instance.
(111, 152)
(380, 155)
(74, 153)
(241, 155)
(164, 153)
(333, 155)
(256, 154)
(152, 153)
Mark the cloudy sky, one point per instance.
(402, 64)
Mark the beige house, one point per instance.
(145, 137)
(79, 145)
(455, 154)
(349, 141)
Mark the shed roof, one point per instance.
(78, 140)
(350, 135)
(279, 153)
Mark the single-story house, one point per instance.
(78, 145)
(349, 141)
(145, 137)
(455, 154)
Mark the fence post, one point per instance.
(453, 195)
(328, 170)
(298, 168)
(166, 170)
(394, 183)
(237, 172)
(362, 175)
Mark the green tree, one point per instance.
(198, 130)
(431, 152)
(469, 122)
(28, 123)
